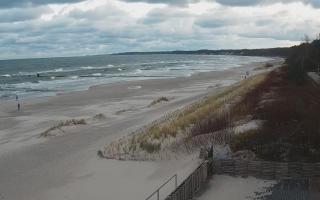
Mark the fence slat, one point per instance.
(267, 169)
(192, 184)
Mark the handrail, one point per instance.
(192, 184)
(158, 190)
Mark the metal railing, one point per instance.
(193, 183)
(165, 183)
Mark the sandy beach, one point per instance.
(66, 166)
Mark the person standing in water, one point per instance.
(19, 106)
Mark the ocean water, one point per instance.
(49, 76)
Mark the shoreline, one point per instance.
(59, 93)
(66, 165)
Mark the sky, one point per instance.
(50, 28)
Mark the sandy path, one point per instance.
(66, 166)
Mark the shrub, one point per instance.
(160, 99)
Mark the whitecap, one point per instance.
(119, 69)
(58, 70)
(87, 67)
(74, 77)
(136, 87)
(138, 71)
(110, 65)
(24, 73)
(97, 74)
(6, 75)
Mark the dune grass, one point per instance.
(99, 116)
(158, 100)
(290, 129)
(158, 135)
(201, 110)
(60, 125)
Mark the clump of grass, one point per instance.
(150, 147)
(99, 116)
(268, 65)
(217, 121)
(125, 110)
(70, 122)
(160, 99)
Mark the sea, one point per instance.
(37, 77)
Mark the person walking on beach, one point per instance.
(17, 99)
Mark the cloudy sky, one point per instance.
(42, 28)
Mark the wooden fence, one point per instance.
(267, 170)
(259, 169)
(193, 184)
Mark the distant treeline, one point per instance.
(278, 52)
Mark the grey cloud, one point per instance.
(314, 3)
(109, 29)
(222, 17)
(97, 14)
(240, 2)
(293, 35)
(164, 14)
(24, 3)
(171, 2)
(22, 14)
(76, 33)
(213, 23)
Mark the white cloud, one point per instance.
(99, 26)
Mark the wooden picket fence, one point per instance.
(267, 170)
(193, 183)
(259, 169)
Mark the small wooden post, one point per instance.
(158, 195)
(176, 181)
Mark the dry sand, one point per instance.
(236, 188)
(66, 166)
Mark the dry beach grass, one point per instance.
(204, 117)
